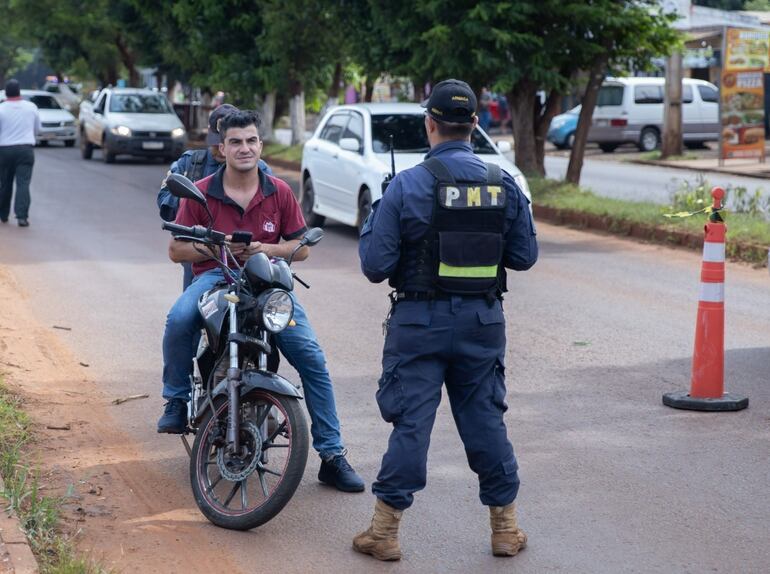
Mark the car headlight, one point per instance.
(276, 310)
(177, 133)
(121, 131)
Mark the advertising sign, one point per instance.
(747, 49)
(742, 111)
(742, 93)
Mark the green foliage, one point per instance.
(746, 224)
(692, 196)
(284, 152)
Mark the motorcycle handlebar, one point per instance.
(196, 232)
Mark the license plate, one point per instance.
(601, 123)
(152, 145)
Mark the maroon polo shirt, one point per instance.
(272, 214)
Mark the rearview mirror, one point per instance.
(181, 187)
(350, 144)
(313, 236)
(504, 146)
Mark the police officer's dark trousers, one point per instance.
(460, 342)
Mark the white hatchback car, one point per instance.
(57, 123)
(348, 156)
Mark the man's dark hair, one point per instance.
(239, 119)
(452, 130)
(12, 89)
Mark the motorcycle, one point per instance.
(251, 436)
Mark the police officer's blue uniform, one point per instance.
(436, 337)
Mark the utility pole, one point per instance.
(672, 107)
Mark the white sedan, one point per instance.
(348, 156)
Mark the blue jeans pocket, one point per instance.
(390, 396)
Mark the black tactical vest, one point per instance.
(462, 250)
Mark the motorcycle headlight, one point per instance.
(276, 310)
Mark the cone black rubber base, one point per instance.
(683, 400)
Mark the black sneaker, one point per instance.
(337, 472)
(174, 419)
(23, 222)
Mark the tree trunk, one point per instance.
(334, 88)
(522, 103)
(111, 75)
(129, 61)
(595, 80)
(268, 116)
(297, 112)
(369, 85)
(542, 123)
(672, 108)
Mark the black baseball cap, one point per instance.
(213, 137)
(452, 101)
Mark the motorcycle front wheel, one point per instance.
(244, 490)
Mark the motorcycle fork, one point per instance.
(233, 389)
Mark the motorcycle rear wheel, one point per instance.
(241, 493)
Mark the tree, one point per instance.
(12, 54)
(96, 34)
(302, 42)
(626, 35)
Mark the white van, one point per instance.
(630, 110)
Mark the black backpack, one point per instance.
(195, 167)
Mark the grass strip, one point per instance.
(284, 152)
(744, 229)
(38, 514)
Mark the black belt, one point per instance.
(434, 296)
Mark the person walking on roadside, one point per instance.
(443, 234)
(242, 197)
(195, 164)
(19, 124)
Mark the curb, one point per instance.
(15, 543)
(673, 165)
(753, 253)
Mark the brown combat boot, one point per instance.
(381, 539)
(507, 538)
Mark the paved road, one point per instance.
(612, 482)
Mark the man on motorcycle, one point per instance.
(242, 197)
(196, 164)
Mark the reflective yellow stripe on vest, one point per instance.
(445, 270)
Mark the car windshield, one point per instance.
(44, 102)
(140, 104)
(409, 135)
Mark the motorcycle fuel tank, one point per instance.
(213, 308)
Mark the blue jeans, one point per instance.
(298, 344)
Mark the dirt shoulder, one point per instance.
(119, 510)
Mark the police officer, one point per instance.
(442, 235)
(195, 164)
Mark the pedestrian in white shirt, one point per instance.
(19, 123)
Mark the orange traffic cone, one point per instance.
(708, 359)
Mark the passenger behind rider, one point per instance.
(195, 164)
(244, 198)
